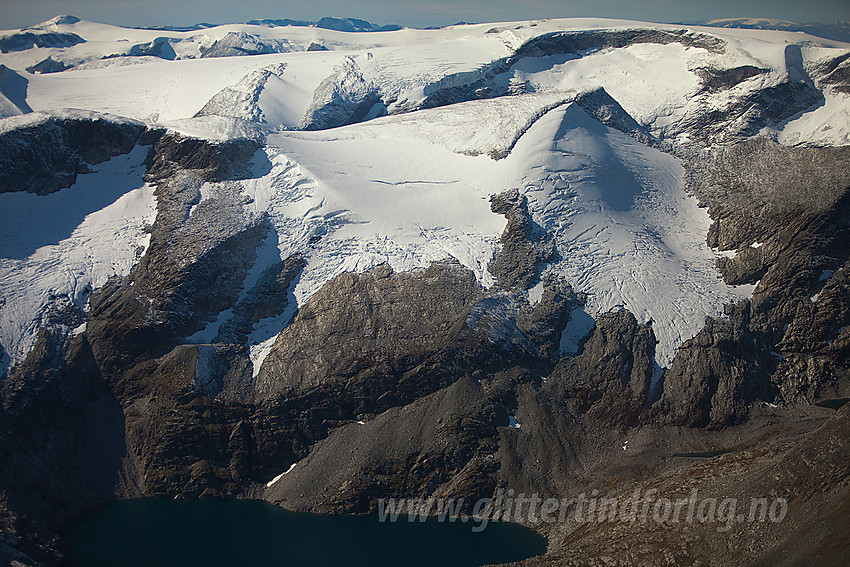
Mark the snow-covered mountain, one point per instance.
(210, 201)
(489, 101)
(839, 31)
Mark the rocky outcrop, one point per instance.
(356, 333)
(344, 97)
(212, 161)
(576, 42)
(524, 246)
(603, 107)
(194, 269)
(785, 210)
(717, 80)
(268, 298)
(747, 115)
(27, 39)
(47, 65)
(610, 378)
(61, 442)
(238, 44)
(160, 47)
(242, 99)
(716, 376)
(47, 153)
(834, 73)
(445, 442)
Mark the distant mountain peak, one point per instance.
(62, 19)
(838, 31)
(751, 22)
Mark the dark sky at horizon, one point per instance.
(418, 13)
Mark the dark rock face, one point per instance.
(61, 442)
(344, 97)
(47, 65)
(172, 294)
(48, 155)
(754, 187)
(357, 331)
(159, 47)
(524, 246)
(716, 376)
(610, 379)
(835, 73)
(237, 44)
(746, 116)
(24, 40)
(210, 160)
(582, 41)
(268, 298)
(716, 80)
(784, 344)
(602, 106)
(445, 442)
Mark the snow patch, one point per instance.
(280, 476)
(580, 325)
(535, 294)
(259, 352)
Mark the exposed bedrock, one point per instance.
(834, 73)
(197, 260)
(344, 97)
(716, 80)
(61, 443)
(47, 154)
(242, 99)
(785, 211)
(580, 41)
(745, 116)
(239, 43)
(525, 246)
(27, 39)
(47, 65)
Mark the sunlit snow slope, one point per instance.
(56, 249)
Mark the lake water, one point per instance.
(254, 533)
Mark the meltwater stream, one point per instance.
(249, 532)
